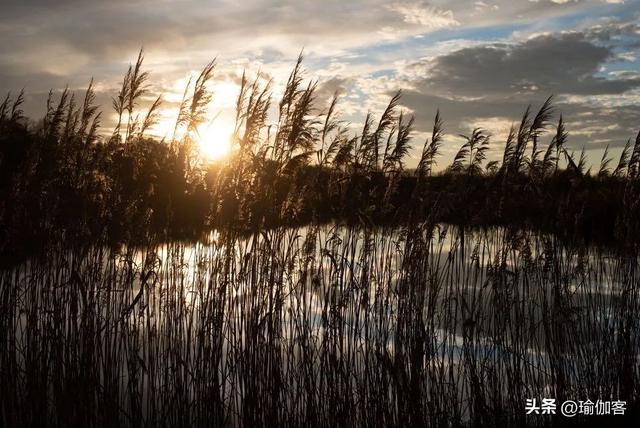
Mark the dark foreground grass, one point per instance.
(64, 177)
(319, 326)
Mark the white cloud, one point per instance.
(425, 15)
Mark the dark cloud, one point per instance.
(105, 28)
(51, 44)
(15, 79)
(478, 84)
(564, 63)
(328, 88)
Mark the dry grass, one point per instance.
(317, 326)
(413, 324)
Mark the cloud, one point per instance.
(493, 83)
(327, 89)
(555, 63)
(482, 61)
(425, 15)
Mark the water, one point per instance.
(331, 324)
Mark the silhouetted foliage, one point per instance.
(390, 317)
(62, 177)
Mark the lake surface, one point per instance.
(324, 325)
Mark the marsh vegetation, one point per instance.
(429, 325)
(311, 278)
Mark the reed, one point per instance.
(312, 280)
(308, 165)
(328, 325)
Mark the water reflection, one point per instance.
(331, 324)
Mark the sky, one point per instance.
(481, 63)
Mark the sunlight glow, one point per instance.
(215, 139)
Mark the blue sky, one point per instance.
(480, 62)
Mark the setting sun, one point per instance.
(320, 213)
(215, 139)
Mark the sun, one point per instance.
(215, 139)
